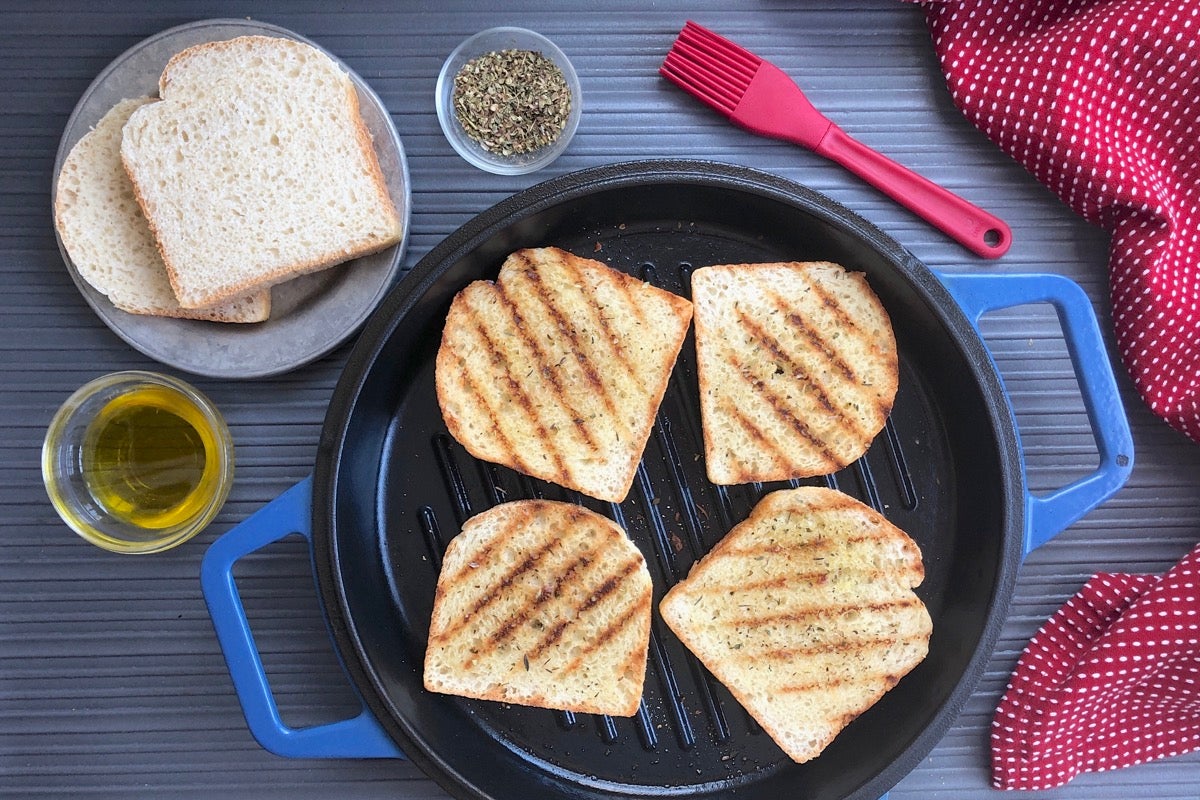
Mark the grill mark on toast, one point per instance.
(910, 565)
(494, 591)
(626, 287)
(827, 684)
(825, 612)
(578, 279)
(819, 392)
(815, 577)
(525, 612)
(480, 557)
(845, 319)
(524, 401)
(782, 412)
(772, 344)
(529, 270)
(755, 433)
(548, 372)
(848, 322)
(480, 402)
(826, 543)
(543, 596)
(888, 679)
(604, 636)
(609, 585)
(820, 343)
(549, 638)
(844, 648)
(633, 306)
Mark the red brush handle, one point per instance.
(971, 226)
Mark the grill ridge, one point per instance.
(867, 481)
(674, 697)
(900, 468)
(683, 491)
(662, 666)
(453, 477)
(433, 535)
(646, 727)
(491, 481)
(666, 556)
(607, 728)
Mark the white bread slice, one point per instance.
(798, 369)
(108, 239)
(256, 167)
(558, 368)
(805, 611)
(545, 604)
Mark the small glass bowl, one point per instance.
(72, 483)
(489, 41)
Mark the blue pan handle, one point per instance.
(1049, 515)
(358, 737)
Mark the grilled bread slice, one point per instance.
(805, 611)
(108, 238)
(256, 167)
(557, 369)
(542, 603)
(797, 369)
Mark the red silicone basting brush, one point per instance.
(761, 98)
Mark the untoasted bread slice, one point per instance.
(256, 167)
(545, 604)
(557, 369)
(797, 367)
(107, 236)
(806, 612)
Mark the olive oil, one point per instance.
(149, 458)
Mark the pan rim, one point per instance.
(365, 354)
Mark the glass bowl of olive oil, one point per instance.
(137, 462)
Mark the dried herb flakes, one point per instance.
(511, 101)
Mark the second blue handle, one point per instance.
(1047, 516)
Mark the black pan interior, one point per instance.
(392, 488)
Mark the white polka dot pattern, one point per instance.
(1111, 680)
(1101, 102)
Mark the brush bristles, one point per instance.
(710, 67)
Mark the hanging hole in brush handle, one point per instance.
(981, 232)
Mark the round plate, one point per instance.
(310, 315)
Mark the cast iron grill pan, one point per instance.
(397, 488)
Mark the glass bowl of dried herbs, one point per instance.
(508, 100)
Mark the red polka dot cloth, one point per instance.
(1111, 680)
(1100, 100)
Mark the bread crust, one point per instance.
(105, 233)
(805, 612)
(541, 603)
(558, 368)
(179, 260)
(797, 367)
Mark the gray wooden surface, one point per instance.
(111, 683)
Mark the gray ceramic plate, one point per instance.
(310, 315)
